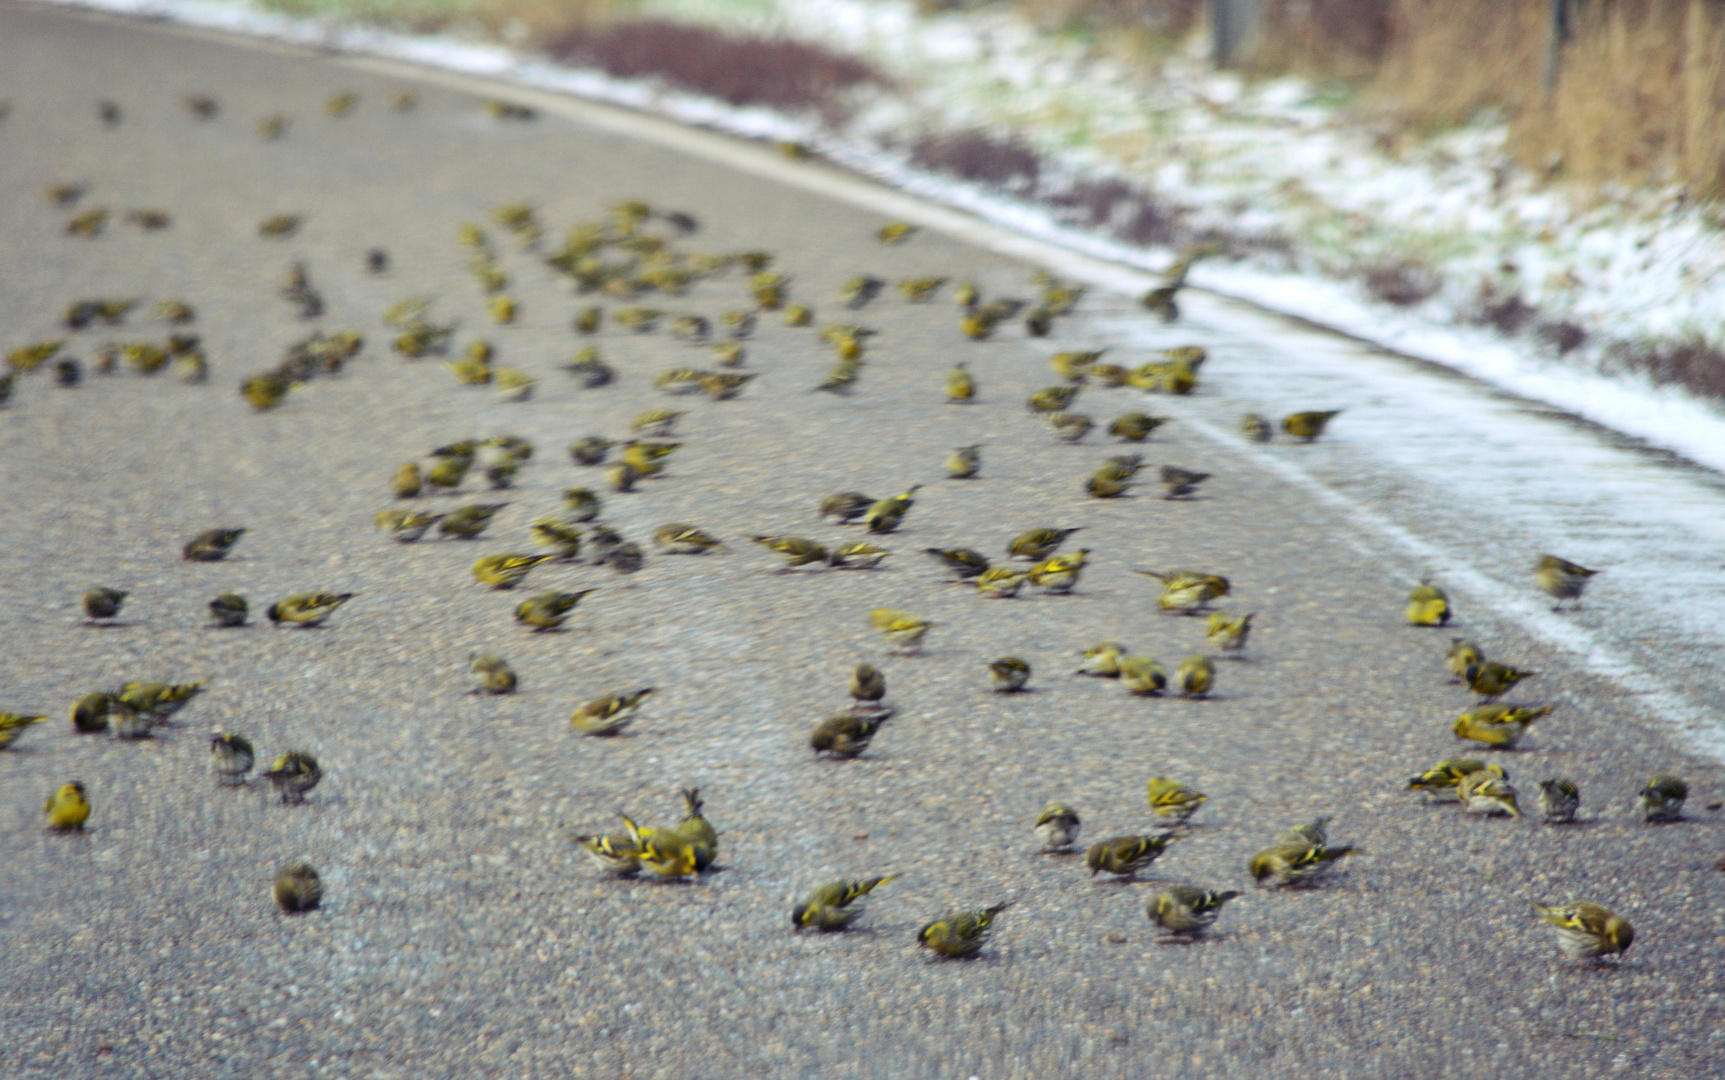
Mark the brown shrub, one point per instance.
(1508, 314)
(1564, 336)
(1692, 363)
(1403, 283)
(1336, 38)
(740, 69)
(980, 159)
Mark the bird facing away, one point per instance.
(297, 888)
(1058, 826)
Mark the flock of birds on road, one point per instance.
(622, 260)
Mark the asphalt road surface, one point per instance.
(462, 934)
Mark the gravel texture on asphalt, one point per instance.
(462, 934)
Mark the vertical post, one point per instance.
(1556, 38)
(1232, 23)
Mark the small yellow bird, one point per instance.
(68, 808)
(1172, 799)
(1195, 676)
(1441, 779)
(1229, 634)
(895, 232)
(613, 854)
(103, 603)
(857, 555)
(1307, 426)
(1562, 580)
(900, 628)
(1427, 606)
(306, 609)
(1135, 427)
(1058, 826)
(1008, 675)
(1662, 799)
(797, 550)
(960, 386)
(1102, 660)
(1587, 931)
(1461, 656)
(960, 934)
(1488, 791)
(505, 570)
(834, 906)
(1297, 864)
(679, 538)
(1186, 910)
(1124, 856)
(1256, 428)
(1492, 679)
(491, 674)
(12, 725)
(867, 686)
(1499, 726)
(1059, 573)
(610, 714)
(1001, 582)
(1142, 675)
(964, 462)
(548, 610)
(297, 888)
(845, 735)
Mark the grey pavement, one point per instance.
(462, 934)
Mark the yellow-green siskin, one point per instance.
(231, 757)
(846, 506)
(695, 830)
(67, 808)
(161, 700)
(918, 290)
(613, 854)
(834, 906)
(590, 450)
(211, 545)
(1178, 483)
(846, 735)
(1662, 798)
(960, 934)
(963, 562)
(1057, 827)
(900, 628)
(1195, 676)
(626, 558)
(1499, 726)
(798, 315)
(127, 721)
(1059, 573)
(103, 603)
(797, 550)
(407, 483)
(563, 539)
(661, 853)
(1008, 675)
(1492, 679)
(1559, 799)
(584, 505)
(1297, 864)
(964, 462)
(610, 714)
(1488, 791)
(679, 538)
(468, 522)
(1135, 427)
(12, 725)
(856, 292)
(306, 609)
(1103, 660)
(1053, 399)
(1038, 544)
(1187, 592)
(895, 232)
(1255, 427)
(1587, 931)
(857, 555)
(1461, 656)
(1427, 606)
(1172, 799)
(1562, 580)
(960, 386)
(1001, 582)
(1307, 426)
(1124, 856)
(1142, 675)
(656, 423)
(1441, 779)
(548, 610)
(491, 674)
(1229, 634)
(297, 888)
(868, 686)
(886, 515)
(1187, 910)
(1314, 832)
(1160, 302)
(295, 773)
(90, 713)
(1113, 477)
(1069, 427)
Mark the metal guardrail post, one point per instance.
(1232, 24)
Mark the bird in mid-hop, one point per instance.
(491, 674)
(1462, 655)
(1427, 606)
(1662, 798)
(1124, 856)
(964, 462)
(295, 773)
(1587, 931)
(610, 714)
(1559, 799)
(1001, 582)
(90, 713)
(1008, 675)
(297, 888)
(1562, 580)
(867, 687)
(1195, 676)
(960, 385)
(405, 526)
(548, 610)
(1255, 427)
(211, 545)
(1488, 791)
(1057, 827)
(1229, 634)
(797, 550)
(306, 609)
(1187, 910)
(962, 933)
(613, 854)
(468, 522)
(678, 538)
(1297, 864)
(68, 808)
(1135, 427)
(1499, 726)
(1492, 679)
(1142, 675)
(846, 506)
(231, 757)
(886, 515)
(900, 628)
(963, 562)
(1038, 544)
(1172, 799)
(103, 603)
(1103, 660)
(1059, 573)
(1307, 426)
(13, 725)
(846, 735)
(834, 906)
(1178, 483)
(1441, 779)
(407, 483)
